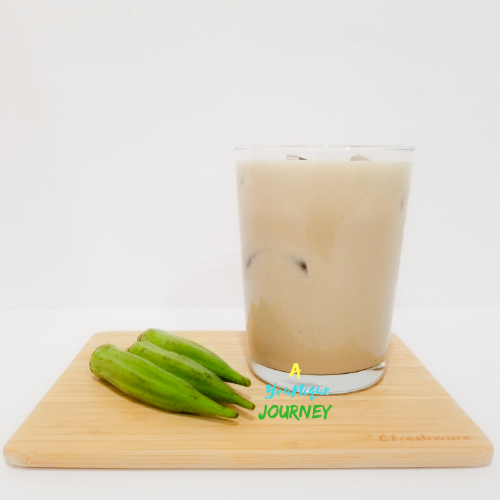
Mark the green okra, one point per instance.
(194, 351)
(191, 372)
(146, 382)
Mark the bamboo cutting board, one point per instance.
(406, 420)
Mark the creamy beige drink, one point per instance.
(321, 242)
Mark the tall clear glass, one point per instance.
(321, 233)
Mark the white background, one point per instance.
(118, 122)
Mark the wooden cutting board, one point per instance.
(406, 420)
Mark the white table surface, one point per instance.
(459, 346)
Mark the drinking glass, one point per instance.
(321, 233)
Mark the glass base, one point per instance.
(338, 384)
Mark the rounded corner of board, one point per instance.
(486, 456)
(15, 457)
(106, 335)
(101, 334)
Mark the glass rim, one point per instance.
(327, 146)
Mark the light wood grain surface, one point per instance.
(407, 420)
